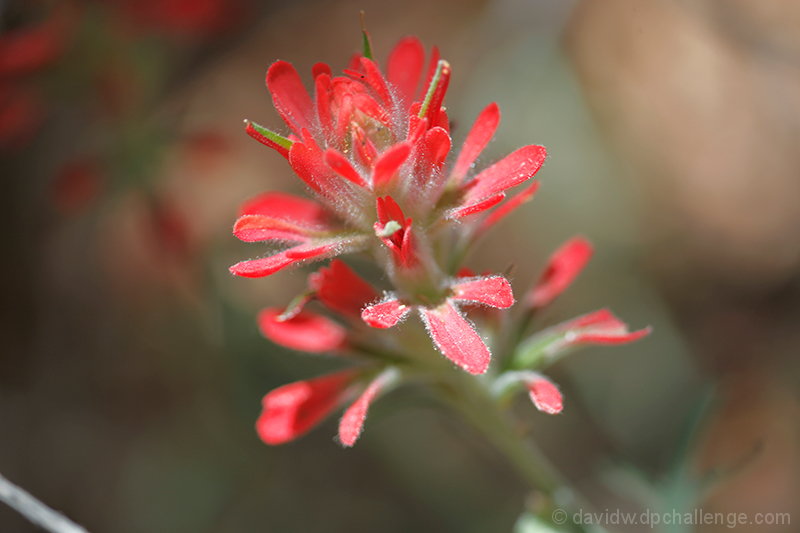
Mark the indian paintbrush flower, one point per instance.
(372, 147)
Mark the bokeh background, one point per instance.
(131, 368)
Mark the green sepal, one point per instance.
(271, 135)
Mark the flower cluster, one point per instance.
(373, 147)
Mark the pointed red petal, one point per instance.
(292, 410)
(507, 208)
(385, 314)
(545, 395)
(404, 68)
(506, 173)
(256, 228)
(562, 268)
(353, 420)
(289, 95)
(389, 163)
(599, 327)
(305, 332)
(455, 337)
(494, 291)
(478, 137)
(342, 166)
(341, 289)
(478, 207)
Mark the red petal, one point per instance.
(404, 68)
(545, 395)
(562, 268)
(341, 289)
(342, 166)
(435, 110)
(494, 291)
(353, 420)
(292, 410)
(385, 314)
(321, 68)
(374, 78)
(287, 207)
(599, 327)
(305, 332)
(389, 163)
(323, 102)
(256, 228)
(504, 210)
(307, 161)
(478, 207)
(258, 268)
(289, 95)
(508, 172)
(478, 137)
(456, 338)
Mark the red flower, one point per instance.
(562, 268)
(452, 334)
(293, 409)
(353, 420)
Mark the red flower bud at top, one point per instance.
(562, 268)
(292, 410)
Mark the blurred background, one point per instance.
(131, 368)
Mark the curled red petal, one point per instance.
(289, 95)
(404, 68)
(292, 410)
(478, 137)
(455, 337)
(598, 327)
(385, 314)
(512, 170)
(305, 332)
(562, 268)
(341, 289)
(322, 99)
(494, 291)
(389, 163)
(287, 207)
(353, 419)
(545, 395)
